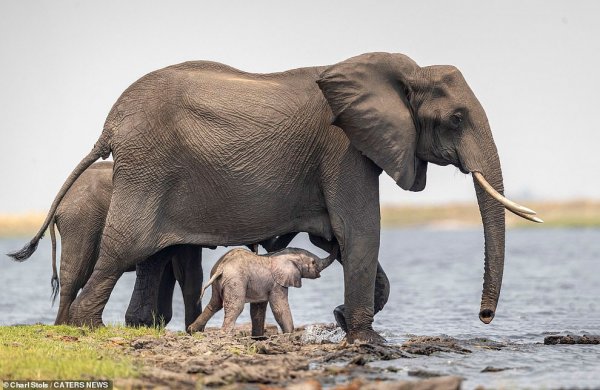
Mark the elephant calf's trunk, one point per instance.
(326, 262)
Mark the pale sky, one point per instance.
(534, 65)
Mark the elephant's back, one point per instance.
(86, 204)
(231, 260)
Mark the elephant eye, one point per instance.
(456, 119)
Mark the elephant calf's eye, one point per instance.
(456, 119)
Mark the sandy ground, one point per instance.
(310, 358)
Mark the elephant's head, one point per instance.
(290, 265)
(403, 116)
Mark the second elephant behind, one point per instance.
(80, 221)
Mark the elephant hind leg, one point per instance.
(119, 251)
(215, 304)
(233, 303)
(66, 299)
(258, 311)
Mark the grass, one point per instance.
(44, 352)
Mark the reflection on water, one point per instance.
(550, 285)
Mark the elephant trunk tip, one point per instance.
(486, 315)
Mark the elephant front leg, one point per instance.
(278, 300)
(359, 254)
(258, 312)
(382, 293)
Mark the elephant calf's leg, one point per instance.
(233, 304)
(258, 311)
(280, 307)
(215, 304)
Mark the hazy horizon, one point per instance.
(533, 65)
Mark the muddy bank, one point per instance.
(311, 357)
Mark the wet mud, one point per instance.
(309, 358)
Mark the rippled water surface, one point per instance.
(551, 285)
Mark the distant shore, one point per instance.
(576, 213)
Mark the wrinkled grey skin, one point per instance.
(206, 154)
(241, 277)
(80, 221)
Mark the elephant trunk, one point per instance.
(326, 262)
(492, 216)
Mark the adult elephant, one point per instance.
(207, 154)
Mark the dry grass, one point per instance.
(577, 213)
(20, 225)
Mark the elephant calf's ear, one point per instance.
(285, 272)
(366, 95)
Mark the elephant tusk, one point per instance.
(532, 218)
(509, 204)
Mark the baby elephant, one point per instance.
(241, 276)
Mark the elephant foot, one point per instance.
(90, 322)
(340, 317)
(150, 322)
(365, 336)
(194, 329)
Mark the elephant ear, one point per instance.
(369, 103)
(285, 272)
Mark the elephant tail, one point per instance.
(54, 282)
(101, 149)
(214, 277)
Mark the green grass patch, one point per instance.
(46, 352)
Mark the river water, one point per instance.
(551, 285)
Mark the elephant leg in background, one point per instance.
(77, 261)
(164, 302)
(382, 283)
(150, 303)
(187, 267)
(258, 312)
(215, 304)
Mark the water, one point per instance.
(551, 284)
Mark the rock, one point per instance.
(426, 345)
(572, 339)
(424, 374)
(495, 369)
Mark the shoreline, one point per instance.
(311, 357)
